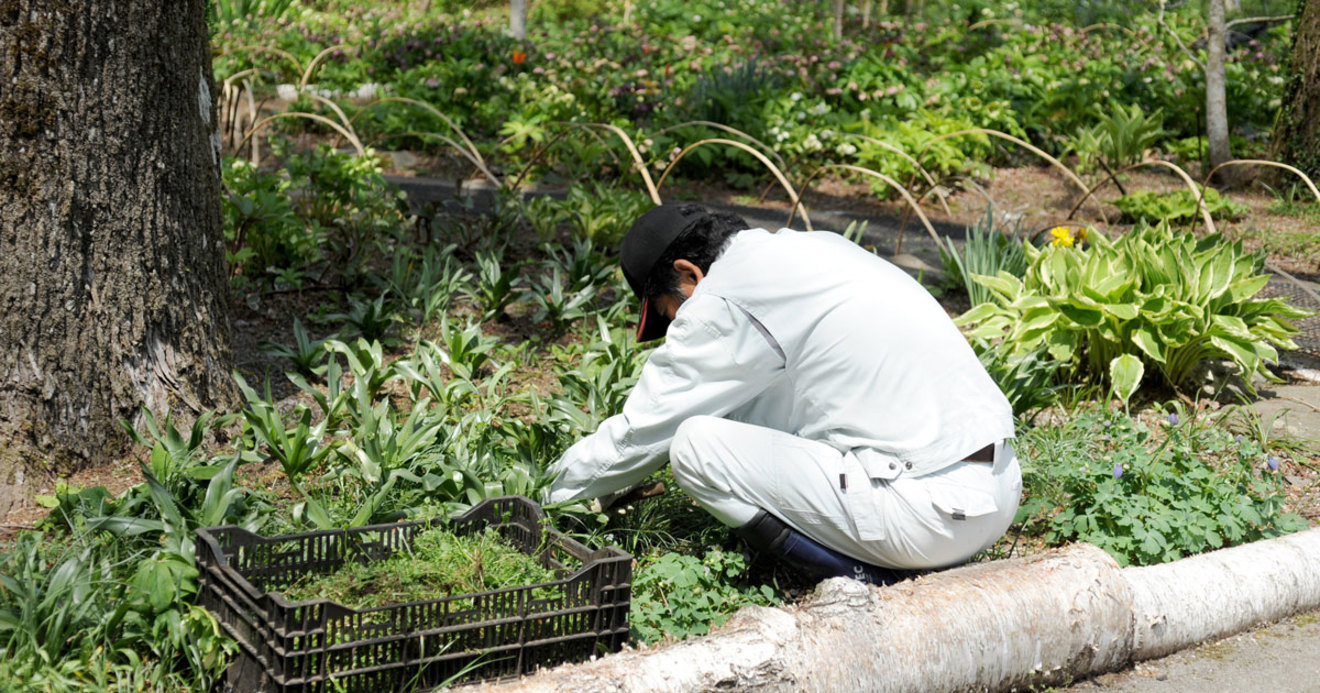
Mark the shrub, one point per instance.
(1173, 301)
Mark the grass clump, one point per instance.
(439, 564)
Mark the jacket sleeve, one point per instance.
(713, 361)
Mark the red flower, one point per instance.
(519, 57)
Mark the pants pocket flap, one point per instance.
(961, 502)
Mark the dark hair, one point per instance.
(699, 244)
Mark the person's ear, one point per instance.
(689, 275)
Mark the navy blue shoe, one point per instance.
(770, 534)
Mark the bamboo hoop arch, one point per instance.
(1107, 25)
(471, 148)
(971, 184)
(474, 161)
(1263, 162)
(793, 197)
(903, 191)
(720, 126)
(1191, 185)
(311, 67)
(652, 188)
(352, 138)
(1022, 143)
(930, 180)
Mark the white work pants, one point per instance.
(734, 470)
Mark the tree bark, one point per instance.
(112, 284)
(1216, 99)
(838, 20)
(1006, 625)
(1297, 131)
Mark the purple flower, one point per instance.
(1273, 463)
(1173, 419)
(1118, 470)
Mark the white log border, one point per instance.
(1044, 620)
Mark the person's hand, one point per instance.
(632, 495)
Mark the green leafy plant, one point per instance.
(603, 213)
(581, 263)
(495, 285)
(429, 283)
(264, 235)
(1122, 136)
(228, 12)
(299, 449)
(309, 356)
(602, 379)
(371, 319)
(1028, 380)
(677, 595)
(545, 214)
(1171, 300)
(987, 251)
(554, 302)
(1177, 207)
(1149, 495)
(348, 199)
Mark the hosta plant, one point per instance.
(1171, 300)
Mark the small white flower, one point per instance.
(287, 92)
(795, 96)
(846, 149)
(811, 144)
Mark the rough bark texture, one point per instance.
(1216, 99)
(112, 289)
(1297, 131)
(1001, 626)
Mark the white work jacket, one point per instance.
(806, 333)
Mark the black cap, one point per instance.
(647, 240)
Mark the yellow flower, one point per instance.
(1062, 236)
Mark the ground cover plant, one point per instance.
(1150, 490)
(426, 355)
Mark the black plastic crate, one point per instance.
(322, 646)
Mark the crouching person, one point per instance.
(810, 395)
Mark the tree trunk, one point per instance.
(518, 19)
(1216, 99)
(1006, 625)
(112, 283)
(838, 20)
(1297, 132)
